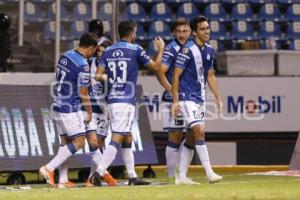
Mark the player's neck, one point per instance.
(199, 42)
(81, 51)
(127, 39)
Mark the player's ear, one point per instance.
(194, 33)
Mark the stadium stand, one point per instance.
(136, 12)
(242, 11)
(82, 11)
(32, 12)
(161, 11)
(50, 14)
(215, 11)
(160, 28)
(293, 12)
(243, 30)
(187, 10)
(294, 45)
(269, 29)
(105, 11)
(269, 11)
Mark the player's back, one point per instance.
(71, 73)
(122, 61)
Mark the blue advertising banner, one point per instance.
(29, 138)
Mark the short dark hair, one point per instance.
(88, 39)
(96, 26)
(180, 22)
(125, 28)
(197, 20)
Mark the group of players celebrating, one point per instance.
(98, 70)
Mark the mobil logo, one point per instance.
(261, 104)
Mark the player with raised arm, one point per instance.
(121, 62)
(70, 92)
(174, 126)
(193, 68)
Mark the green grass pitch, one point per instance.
(236, 185)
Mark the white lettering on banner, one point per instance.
(8, 134)
(49, 129)
(20, 132)
(251, 104)
(33, 135)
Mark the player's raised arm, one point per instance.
(212, 83)
(155, 63)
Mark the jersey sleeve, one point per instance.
(183, 58)
(142, 56)
(84, 78)
(168, 56)
(212, 60)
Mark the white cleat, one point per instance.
(185, 181)
(214, 178)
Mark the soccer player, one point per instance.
(96, 26)
(71, 90)
(193, 68)
(174, 126)
(121, 62)
(99, 126)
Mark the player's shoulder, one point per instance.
(187, 47)
(209, 48)
(77, 59)
(173, 45)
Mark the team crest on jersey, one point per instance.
(208, 57)
(64, 61)
(185, 50)
(118, 53)
(86, 68)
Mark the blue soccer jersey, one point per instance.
(196, 61)
(169, 58)
(121, 62)
(71, 74)
(96, 88)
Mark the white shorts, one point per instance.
(193, 113)
(92, 126)
(70, 124)
(169, 123)
(102, 124)
(121, 117)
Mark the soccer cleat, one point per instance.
(109, 180)
(137, 181)
(88, 183)
(185, 181)
(49, 176)
(68, 184)
(213, 178)
(95, 180)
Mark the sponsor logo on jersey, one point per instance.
(64, 61)
(118, 53)
(185, 50)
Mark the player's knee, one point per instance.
(93, 146)
(79, 142)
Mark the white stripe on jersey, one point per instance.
(183, 55)
(177, 48)
(199, 67)
(166, 52)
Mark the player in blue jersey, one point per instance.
(174, 126)
(193, 68)
(71, 90)
(121, 62)
(99, 125)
